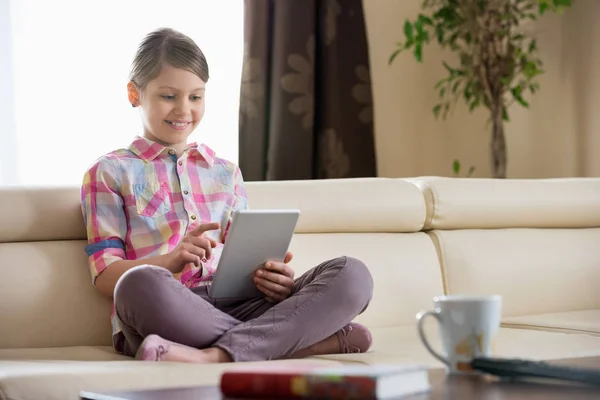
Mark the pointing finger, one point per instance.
(200, 229)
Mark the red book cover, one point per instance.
(346, 382)
(296, 385)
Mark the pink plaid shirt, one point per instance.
(139, 202)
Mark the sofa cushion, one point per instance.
(70, 353)
(48, 298)
(334, 205)
(48, 282)
(469, 203)
(64, 380)
(404, 267)
(40, 213)
(345, 205)
(402, 344)
(535, 270)
(584, 321)
(45, 379)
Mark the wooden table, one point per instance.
(443, 388)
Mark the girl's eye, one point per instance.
(196, 98)
(168, 97)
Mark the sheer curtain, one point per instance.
(68, 62)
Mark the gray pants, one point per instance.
(149, 300)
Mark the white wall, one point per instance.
(8, 142)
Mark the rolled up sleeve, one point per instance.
(104, 216)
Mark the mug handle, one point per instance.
(420, 318)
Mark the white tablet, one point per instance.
(255, 237)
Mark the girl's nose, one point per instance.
(183, 108)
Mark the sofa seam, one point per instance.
(433, 202)
(438, 244)
(423, 224)
(428, 192)
(547, 328)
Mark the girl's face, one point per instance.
(172, 106)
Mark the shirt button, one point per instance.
(180, 163)
(171, 152)
(185, 192)
(193, 217)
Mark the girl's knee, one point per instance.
(357, 271)
(357, 280)
(142, 278)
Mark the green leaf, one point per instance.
(419, 28)
(516, 92)
(543, 8)
(436, 110)
(439, 30)
(442, 91)
(444, 13)
(455, 86)
(475, 104)
(419, 52)
(394, 55)
(456, 167)
(408, 30)
(453, 38)
(425, 20)
(533, 87)
(532, 45)
(531, 70)
(467, 91)
(440, 83)
(505, 114)
(449, 68)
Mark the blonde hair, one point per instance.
(169, 46)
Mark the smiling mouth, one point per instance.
(178, 124)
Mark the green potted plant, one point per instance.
(497, 59)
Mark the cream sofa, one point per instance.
(535, 242)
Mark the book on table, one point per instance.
(340, 382)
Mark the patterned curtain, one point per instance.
(306, 108)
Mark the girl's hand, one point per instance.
(276, 279)
(193, 248)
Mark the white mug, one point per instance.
(467, 325)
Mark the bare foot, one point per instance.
(353, 338)
(155, 348)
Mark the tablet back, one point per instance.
(255, 236)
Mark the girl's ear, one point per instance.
(133, 94)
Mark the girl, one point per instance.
(157, 214)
